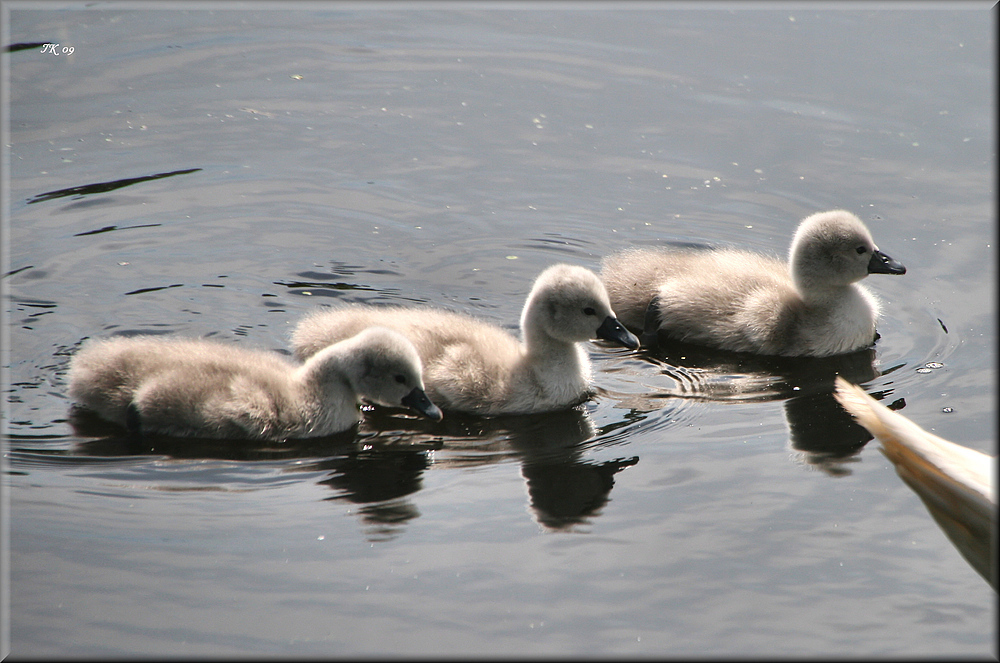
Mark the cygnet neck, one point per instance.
(559, 369)
(537, 343)
(819, 291)
(325, 377)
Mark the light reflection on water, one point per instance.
(700, 503)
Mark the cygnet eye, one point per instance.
(401, 379)
(589, 311)
(862, 249)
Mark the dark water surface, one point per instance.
(221, 172)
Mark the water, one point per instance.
(697, 505)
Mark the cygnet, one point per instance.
(209, 389)
(476, 367)
(747, 302)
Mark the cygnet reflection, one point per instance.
(821, 434)
(381, 466)
(565, 489)
(379, 478)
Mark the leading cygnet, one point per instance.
(746, 302)
(202, 388)
(473, 366)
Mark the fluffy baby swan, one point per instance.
(473, 366)
(202, 388)
(746, 302)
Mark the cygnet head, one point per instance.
(835, 249)
(383, 367)
(570, 303)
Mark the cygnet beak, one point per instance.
(612, 330)
(883, 264)
(418, 400)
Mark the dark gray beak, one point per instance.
(418, 400)
(612, 330)
(883, 264)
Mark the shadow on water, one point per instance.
(382, 462)
(24, 46)
(821, 433)
(104, 187)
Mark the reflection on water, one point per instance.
(382, 462)
(565, 492)
(822, 435)
(564, 489)
(104, 187)
(379, 480)
(820, 432)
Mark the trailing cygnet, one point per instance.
(746, 302)
(202, 388)
(474, 366)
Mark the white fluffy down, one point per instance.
(474, 366)
(742, 301)
(203, 388)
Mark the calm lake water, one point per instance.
(222, 172)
